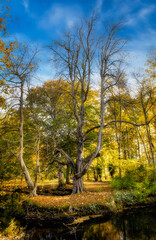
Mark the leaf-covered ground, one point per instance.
(78, 200)
(97, 193)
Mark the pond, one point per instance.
(135, 225)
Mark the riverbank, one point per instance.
(77, 209)
(57, 207)
(41, 216)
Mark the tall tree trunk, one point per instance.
(60, 177)
(150, 143)
(78, 185)
(67, 174)
(34, 191)
(139, 155)
(148, 131)
(120, 143)
(100, 175)
(21, 161)
(82, 165)
(95, 175)
(118, 138)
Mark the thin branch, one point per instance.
(120, 121)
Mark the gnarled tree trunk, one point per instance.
(78, 185)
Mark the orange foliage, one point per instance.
(76, 200)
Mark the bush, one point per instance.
(139, 180)
(13, 231)
(127, 182)
(124, 198)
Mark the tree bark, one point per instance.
(78, 185)
(34, 191)
(95, 175)
(60, 179)
(21, 161)
(67, 174)
(148, 131)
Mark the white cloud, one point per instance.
(26, 5)
(60, 16)
(144, 12)
(27, 8)
(142, 15)
(130, 21)
(99, 5)
(138, 50)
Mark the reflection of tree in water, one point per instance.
(38, 234)
(103, 231)
(135, 226)
(54, 233)
(140, 225)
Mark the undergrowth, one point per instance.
(135, 186)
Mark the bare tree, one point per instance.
(76, 55)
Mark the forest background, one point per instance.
(87, 123)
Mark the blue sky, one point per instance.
(39, 21)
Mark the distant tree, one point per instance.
(146, 106)
(7, 48)
(8, 135)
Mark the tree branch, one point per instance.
(120, 121)
(69, 159)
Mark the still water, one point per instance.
(136, 225)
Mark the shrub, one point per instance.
(139, 184)
(126, 182)
(117, 183)
(124, 198)
(138, 178)
(13, 231)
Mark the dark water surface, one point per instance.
(135, 225)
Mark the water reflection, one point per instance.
(139, 225)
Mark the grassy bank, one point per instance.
(59, 207)
(102, 201)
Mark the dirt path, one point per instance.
(98, 186)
